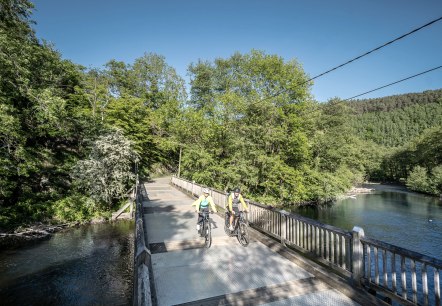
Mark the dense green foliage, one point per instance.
(418, 162)
(393, 121)
(70, 138)
(404, 133)
(41, 129)
(251, 123)
(391, 103)
(54, 116)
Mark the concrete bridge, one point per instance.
(289, 261)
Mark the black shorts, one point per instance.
(236, 210)
(200, 216)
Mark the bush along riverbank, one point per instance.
(17, 230)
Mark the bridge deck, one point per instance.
(227, 273)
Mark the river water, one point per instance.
(88, 265)
(406, 219)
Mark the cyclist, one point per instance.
(202, 205)
(234, 200)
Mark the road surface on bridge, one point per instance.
(184, 272)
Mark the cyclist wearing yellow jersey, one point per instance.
(202, 205)
(234, 201)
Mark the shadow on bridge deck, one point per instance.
(227, 273)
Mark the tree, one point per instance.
(107, 173)
(96, 88)
(436, 180)
(334, 144)
(418, 180)
(148, 102)
(40, 132)
(248, 124)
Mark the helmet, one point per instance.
(236, 190)
(206, 190)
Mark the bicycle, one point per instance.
(206, 229)
(239, 228)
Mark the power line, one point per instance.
(413, 76)
(357, 57)
(375, 49)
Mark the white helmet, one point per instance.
(206, 190)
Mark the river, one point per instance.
(88, 265)
(391, 214)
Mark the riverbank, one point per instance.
(355, 190)
(383, 187)
(367, 188)
(35, 232)
(31, 233)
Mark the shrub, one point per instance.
(74, 208)
(418, 180)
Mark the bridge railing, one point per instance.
(398, 272)
(142, 255)
(350, 253)
(328, 244)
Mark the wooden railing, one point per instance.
(350, 253)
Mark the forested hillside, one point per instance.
(404, 133)
(393, 121)
(390, 103)
(71, 138)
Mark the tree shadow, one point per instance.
(227, 273)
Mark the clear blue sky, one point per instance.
(320, 34)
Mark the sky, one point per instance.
(319, 34)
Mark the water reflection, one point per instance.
(405, 219)
(89, 265)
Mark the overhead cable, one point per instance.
(413, 76)
(357, 57)
(375, 49)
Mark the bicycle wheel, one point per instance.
(208, 235)
(243, 234)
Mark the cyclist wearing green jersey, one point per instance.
(202, 204)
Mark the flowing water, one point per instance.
(88, 265)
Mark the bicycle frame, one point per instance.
(206, 228)
(239, 219)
